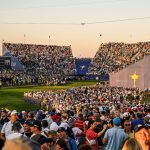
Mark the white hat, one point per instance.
(13, 112)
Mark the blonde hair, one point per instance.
(21, 144)
(131, 144)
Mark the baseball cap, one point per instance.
(36, 123)
(139, 127)
(55, 117)
(13, 112)
(117, 121)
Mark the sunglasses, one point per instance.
(127, 124)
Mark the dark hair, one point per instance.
(139, 115)
(16, 126)
(85, 147)
(41, 139)
(90, 123)
(1, 143)
(44, 123)
(62, 143)
(70, 133)
(61, 129)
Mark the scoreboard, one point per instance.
(5, 62)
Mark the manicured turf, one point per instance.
(12, 98)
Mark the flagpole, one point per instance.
(49, 39)
(24, 38)
(100, 38)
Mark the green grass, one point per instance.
(12, 98)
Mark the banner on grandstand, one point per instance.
(82, 65)
(15, 64)
(133, 76)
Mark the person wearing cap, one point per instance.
(35, 127)
(142, 135)
(7, 127)
(54, 125)
(68, 136)
(27, 130)
(115, 136)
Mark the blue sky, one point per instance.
(67, 16)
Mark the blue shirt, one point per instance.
(115, 138)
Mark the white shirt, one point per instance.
(64, 124)
(76, 131)
(14, 136)
(7, 129)
(54, 126)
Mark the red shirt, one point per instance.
(91, 135)
(79, 124)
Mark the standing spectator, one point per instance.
(137, 121)
(27, 130)
(61, 145)
(7, 127)
(91, 135)
(16, 131)
(115, 136)
(68, 136)
(54, 125)
(64, 122)
(131, 144)
(4, 118)
(127, 128)
(142, 135)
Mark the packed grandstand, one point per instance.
(96, 117)
(51, 64)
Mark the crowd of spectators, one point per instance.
(116, 56)
(42, 63)
(86, 96)
(9, 77)
(83, 118)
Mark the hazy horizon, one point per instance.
(61, 21)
